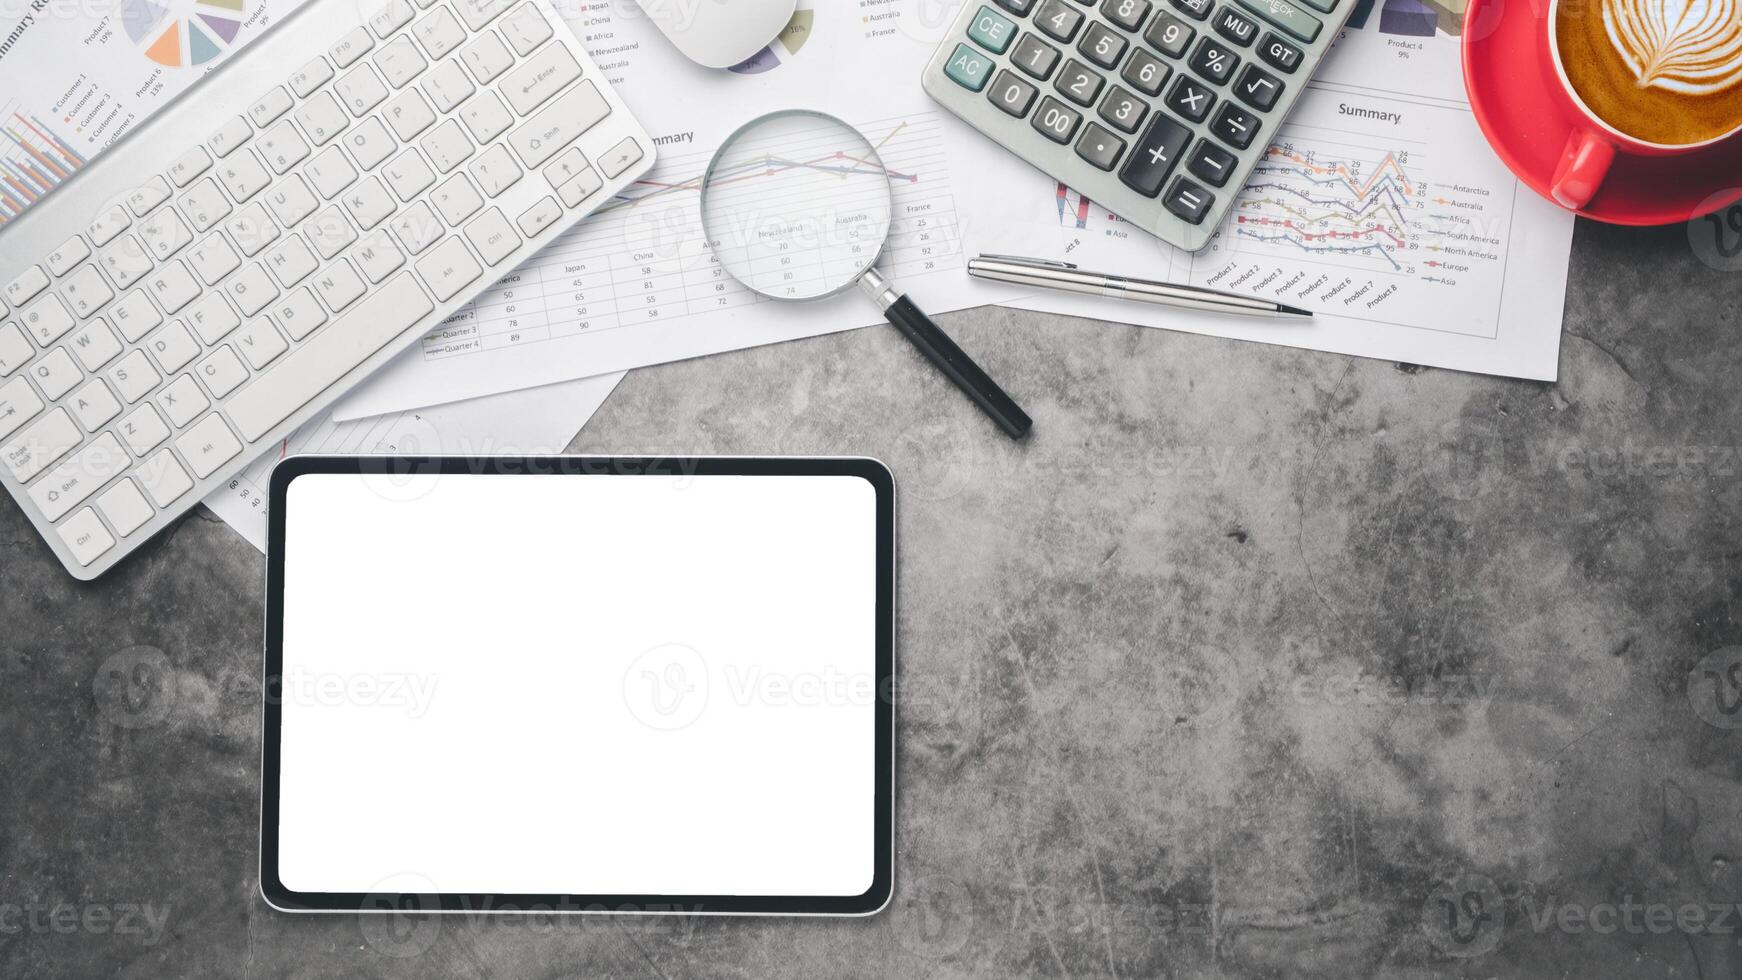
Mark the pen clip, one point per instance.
(1023, 260)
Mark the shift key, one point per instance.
(559, 124)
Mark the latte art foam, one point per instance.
(1693, 47)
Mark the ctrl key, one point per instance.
(86, 537)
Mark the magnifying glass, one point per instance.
(797, 206)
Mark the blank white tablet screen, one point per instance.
(579, 685)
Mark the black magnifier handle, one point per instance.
(943, 352)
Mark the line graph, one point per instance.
(1335, 206)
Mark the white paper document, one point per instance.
(533, 422)
(1379, 206)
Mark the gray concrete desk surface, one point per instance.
(1251, 662)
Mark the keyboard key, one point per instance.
(251, 290)
(173, 347)
(111, 223)
(1235, 126)
(968, 68)
(417, 229)
(485, 117)
(525, 29)
(56, 373)
(1211, 163)
(221, 371)
(173, 286)
(1280, 54)
(1055, 120)
(189, 165)
(229, 136)
(322, 118)
(46, 319)
(1128, 14)
(86, 537)
(1291, 19)
(1079, 83)
(94, 404)
(1012, 94)
(164, 233)
(208, 445)
(1058, 20)
(492, 236)
(447, 86)
(538, 217)
(330, 232)
(1190, 98)
(369, 203)
(1188, 201)
(351, 47)
(30, 282)
(243, 176)
(1145, 72)
(1214, 60)
(1258, 88)
(565, 167)
(1154, 155)
(298, 314)
(1099, 147)
(360, 90)
(477, 13)
(447, 146)
(15, 351)
(458, 200)
(447, 269)
(270, 106)
(487, 57)
(213, 318)
(408, 175)
(41, 445)
(390, 18)
(164, 478)
(96, 345)
(147, 196)
(495, 171)
(143, 429)
(213, 259)
(1235, 26)
(1035, 57)
(439, 33)
(330, 172)
(182, 401)
(559, 124)
(291, 261)
(310, 77)
(259, 343)
(67, 485)
(1102, 45)
(134, 377)
(124, 507)
(325, 358)
(620, 157)
(283, 147)
(339, 286)
(1195, 9)
(370, 143)
(125, 261)
(71, 253)
(86, 291)
(134, 316)
(1169, 35)
(18, 405)
(578, 189)
(540, 77)
(990, 30)
(205, 205)
(400, 61)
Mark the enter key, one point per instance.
(540, 77)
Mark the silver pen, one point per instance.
(1066, 276)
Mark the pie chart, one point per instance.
(791, 39)
(181, 34)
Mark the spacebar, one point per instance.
(313, 367)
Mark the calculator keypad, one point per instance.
(1165, 97)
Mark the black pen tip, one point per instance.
(1283, 309)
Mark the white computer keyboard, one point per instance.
(281, 230)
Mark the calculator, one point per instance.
(1157, 110)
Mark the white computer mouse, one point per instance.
(720, 33)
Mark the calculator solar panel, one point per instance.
(1155, 109)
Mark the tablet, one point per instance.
(579, 683)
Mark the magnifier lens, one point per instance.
(796, 205)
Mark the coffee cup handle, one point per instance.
(1584, 164)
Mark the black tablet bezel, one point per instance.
(626, 467)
